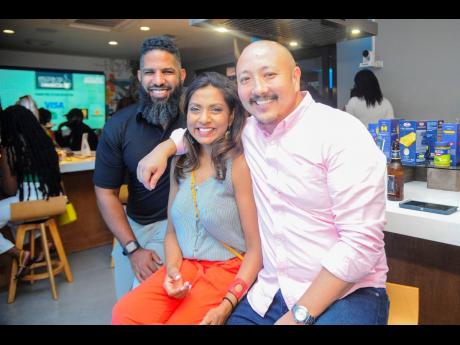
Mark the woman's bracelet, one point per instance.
(238, 288)
(229, 301)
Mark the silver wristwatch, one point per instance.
(302, 315)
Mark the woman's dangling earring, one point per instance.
(227, 134)
(189, 137)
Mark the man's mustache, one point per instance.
(271, 97)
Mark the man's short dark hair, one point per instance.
(162, 43)
(75, 113)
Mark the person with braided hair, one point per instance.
(29, 166)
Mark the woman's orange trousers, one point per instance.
(149, 303)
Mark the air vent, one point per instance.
(38, 43)
(106, 23)
(310, 32)
(102, 24)
(46, 30)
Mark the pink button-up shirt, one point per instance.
(319, 186)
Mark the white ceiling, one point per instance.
(58, 37)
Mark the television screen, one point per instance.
(58, 91)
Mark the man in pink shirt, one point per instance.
(319, 185)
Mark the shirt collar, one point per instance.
(290, 120)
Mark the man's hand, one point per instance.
(217, 315)
(151, 167)
(174, 284)
(287, 319)
(144, 262)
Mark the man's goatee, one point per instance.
(160, 112)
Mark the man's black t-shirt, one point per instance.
(126, 139)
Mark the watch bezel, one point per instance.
(307, 320)
(128, 251)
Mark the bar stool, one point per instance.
(37, 216)
(123, 196)
(404, 304)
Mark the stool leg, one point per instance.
(48, 261)
(60, 248)
(32, 251)
(14, 267)
(112, 262)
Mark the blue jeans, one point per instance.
(366, 306)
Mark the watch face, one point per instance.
(130, 246)
(300, 314)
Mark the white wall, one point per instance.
(349, 56)
(421, 73)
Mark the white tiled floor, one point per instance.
(88, 300)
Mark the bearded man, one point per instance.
(127, 137)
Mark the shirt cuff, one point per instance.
(347, 264)
(178, 137)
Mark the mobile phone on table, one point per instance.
(428, 207)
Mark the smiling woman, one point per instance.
(213, 122)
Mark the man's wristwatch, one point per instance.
(302, 315)
(131, 247)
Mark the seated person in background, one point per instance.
(45, 121)
(192, 286)
(70, 133)
(28, 102)
(29, 164)
(22, 256)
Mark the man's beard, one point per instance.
(160, 111)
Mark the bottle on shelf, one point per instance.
(395, 187)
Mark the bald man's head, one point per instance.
(258, 47)
(268, 82)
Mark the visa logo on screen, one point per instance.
(53, 80)
(54, 105)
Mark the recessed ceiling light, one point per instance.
(144, 28)
(221, 29)
(355, 31)
(113, 43)
(8, 31)
(293, 44)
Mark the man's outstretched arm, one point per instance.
(151, 167)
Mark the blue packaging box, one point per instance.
(431, 135)
(373, 128)
(388, 133)
(451, 134)
(412, 141)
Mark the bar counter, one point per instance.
(89, 230)
(423, 250)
